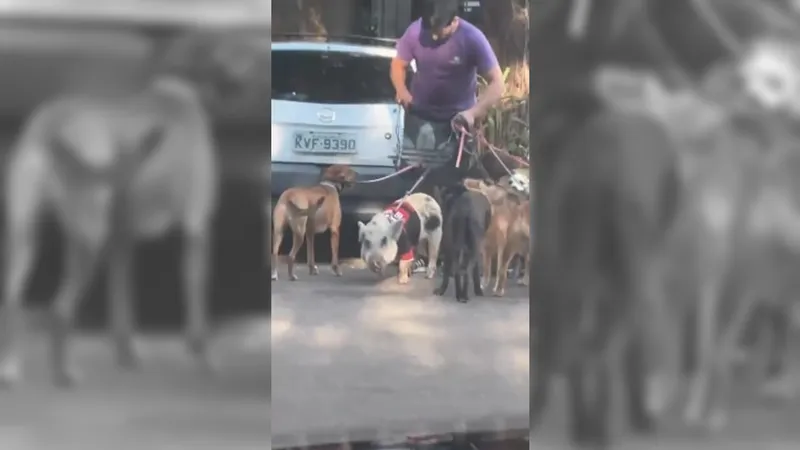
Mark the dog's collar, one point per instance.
(338, 187)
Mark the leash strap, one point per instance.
(402, 200)
(391, 175)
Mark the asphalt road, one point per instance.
(364, 357)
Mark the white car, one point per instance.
(333, 103)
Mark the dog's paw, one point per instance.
(478, 291)
(499, 292)
(430, 273)
(337, 270)
(274, 275)
(462, 299)
(403, 279)
(293, 277)
(439, 292)
(313, 270)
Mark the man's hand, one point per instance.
(466, 118)
(404, 98)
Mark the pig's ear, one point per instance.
(361, 227)
(395, 230)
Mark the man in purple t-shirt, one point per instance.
(449, 53)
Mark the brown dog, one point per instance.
(115, 168)
(503, 238)
(309, 211)
(517, 242)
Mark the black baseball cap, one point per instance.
(437, 14)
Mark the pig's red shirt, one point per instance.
(409, 237)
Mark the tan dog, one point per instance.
(517, 242)
(309, 211)
(498, 248)
(114, 169)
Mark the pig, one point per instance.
(395, 233)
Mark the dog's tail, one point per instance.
(305, 212)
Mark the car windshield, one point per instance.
(330, 77)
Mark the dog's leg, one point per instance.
(477, 289)
(277, 240)
(460, 286)
(499, 275)
(434, 242)
(297, 241)
(705, 324)
(525, 277)
(502, 274)
(335, 251)
(724, 363)
(23, 202)
(80, 262)
(486, 274)
(447, 272)
(404, 271)
(120, 291)
(780, 382)
(579, 422)
(310, 243)
(20, 252)
(196, 258)
(635, 375)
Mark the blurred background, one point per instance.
(722, 79)
(48, 46)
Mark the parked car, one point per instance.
(333, 103)
(43, 45)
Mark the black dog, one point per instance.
(467, 215)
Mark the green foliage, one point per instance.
(507, 125)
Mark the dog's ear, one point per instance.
(342, 174)
(395, 229)
(350, 176)
(361, 226)
(326, 172)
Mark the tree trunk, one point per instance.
(506, 25)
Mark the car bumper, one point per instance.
(362, 200)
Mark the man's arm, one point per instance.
(398, 74)
(489, 69)
(400, 63)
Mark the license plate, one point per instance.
(338, 143)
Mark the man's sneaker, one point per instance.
(419, 266)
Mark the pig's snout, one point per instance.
(376, 265)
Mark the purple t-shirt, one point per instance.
(446, 79)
